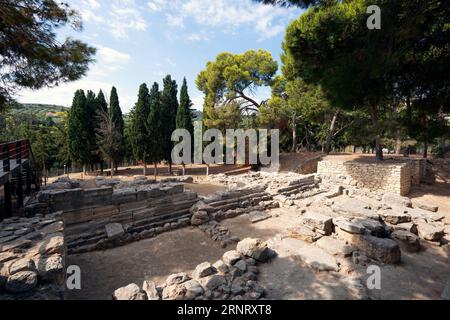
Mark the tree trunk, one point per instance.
(330, 133)
(144, 169)
(183, 168)
(112, 168)
(294, 132)
(170, 167)
(155, 169)
(442, 127)
(84, 170)
(376, 128)
(207, 169)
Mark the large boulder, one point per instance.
(431, 231)
(381, 249)
(24, 264)
(303, 233)
(129, 292)
(408, 241)
(254, 248)
(114, 230)
(177, 278)
(231, 257)
(199, 217)
(150, 290)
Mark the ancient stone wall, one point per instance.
(395, 177)
(32, 258)
(104, 217)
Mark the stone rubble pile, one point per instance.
(376, 229)
(234, 277)
(32, 258)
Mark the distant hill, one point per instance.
(41, 111)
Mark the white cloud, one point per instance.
(156, 5)
(110, 55)
(175, 21)
(197, 37)
(169, 61)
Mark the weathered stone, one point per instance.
(318, 222)
(203, 270)
(254, 248)
(51, 268)
(407, 226)
(395, 215)
(7, 256)
(52, 228)
(384, 250)
(335, 247)
(114, 230)
(22, 281)
(351, 208)
(53, 243)
(317, 258)
(256, 216)
(16, 244)
(430, 231)
(193, 289)
(220, 266)
(391, 199)
(177, 278)
(129, 292)
(236, 289)
(212, 282)
(199, 217)
(407, 240)
(303, 233)
(241, 265)
(427, 206)
(231, 257)
(201, 206)
(24, 264)
(349, 226)
(150, 290)
(420, 214)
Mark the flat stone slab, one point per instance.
(335, 247)
(395, 215)
(114, 230)
(351, 207)
(392, 199)
(317, 258)
(381, 249)
(427, 206)
(256, 216)
(349, 226)
(408, 241)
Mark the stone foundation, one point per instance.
(388, 176)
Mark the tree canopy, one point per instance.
(31, 55)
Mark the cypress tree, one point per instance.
(77, 131)
(154, 127)
(169, 106)
(184, 113)
(139, 133)
(92, 123)
(115, 110)
(101, 102)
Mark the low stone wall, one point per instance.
(32, 258)
(396, 177)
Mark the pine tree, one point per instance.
(184, 113)
(154, 127)
(77, 132)
(139, 133)
(169, 106)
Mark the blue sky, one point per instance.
(142, 41)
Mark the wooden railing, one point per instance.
(16, 160)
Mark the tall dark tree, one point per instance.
(101, 102)
(184, 112)
(92, 124)
(155, 127)
(139, 133)
(117, 118)
(31, 55)
(169, 106)
(77, 131)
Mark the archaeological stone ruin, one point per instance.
(344, 216)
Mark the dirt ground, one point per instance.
(419, 276)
